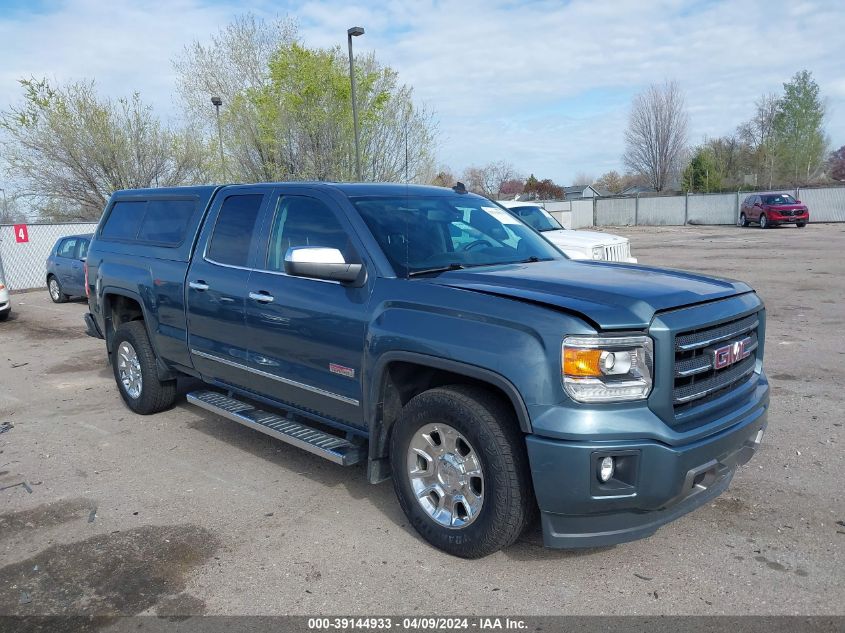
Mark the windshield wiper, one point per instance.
(441, 269)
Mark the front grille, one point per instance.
(617, 252)
(696, 379)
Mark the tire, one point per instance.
(133, 360)
(801, 225)
(764, 223)
(55, 290)
(5, 315)
(743, 221)
(486, 426)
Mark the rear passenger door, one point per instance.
(217, 286)
(65, 257)
(307, 335)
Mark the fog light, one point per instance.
(606, 469)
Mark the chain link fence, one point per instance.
(23, 253)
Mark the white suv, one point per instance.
(575, 244)
(5, 303)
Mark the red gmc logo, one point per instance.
(731, 353)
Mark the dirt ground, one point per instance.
(106, 512)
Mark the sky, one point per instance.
(544, 85)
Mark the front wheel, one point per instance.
(764, 223)
(743, 221)
(134, 365)
(801, 225)
(5, 315)
(460, 470)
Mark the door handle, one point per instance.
(198, 285)
(261, 297)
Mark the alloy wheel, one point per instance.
(446, 475)
(129, 370)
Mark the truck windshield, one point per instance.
(420, 234)
(536, 217)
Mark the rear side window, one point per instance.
(67, 248)
(157, 221)
(166, 221)
(124, 220)
(233, 231)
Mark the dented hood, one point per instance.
(614, 296)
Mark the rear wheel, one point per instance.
(764, 223)
(743, 221)
(134, 365)
(55, 289)
(460, 470)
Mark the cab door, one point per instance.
(217, 286)
(307, 335)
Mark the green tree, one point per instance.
(702, 174)
(287, 111)
(70, 148)
(799, 130)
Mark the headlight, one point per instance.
(607, 368)
(598, 252)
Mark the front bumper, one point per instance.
(659, 484)
(777, 219)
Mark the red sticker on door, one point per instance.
(21, 233)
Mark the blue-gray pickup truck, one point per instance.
(435, 336)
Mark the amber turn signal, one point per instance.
(581, 362)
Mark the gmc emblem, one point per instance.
(731, 353)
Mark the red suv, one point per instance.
(772, 209)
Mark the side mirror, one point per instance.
(318, 262)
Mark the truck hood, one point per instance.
(611, 295)
(581, 240)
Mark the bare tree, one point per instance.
(760, 136)
(70, 148)
(656, 139)
(488, 179)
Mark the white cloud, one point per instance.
(542, 84)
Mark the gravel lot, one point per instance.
(187, 513)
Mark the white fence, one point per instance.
(24, 262)
(826, 204)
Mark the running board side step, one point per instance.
(336, 449)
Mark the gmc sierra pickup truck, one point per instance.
(435, 336)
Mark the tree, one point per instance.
(10, 212)
(611, 181)
(657, 134)
(512, 187)
(758, 134)
(799, 129)
(443, 178)
(70, 149)
(702, 173)
(542, 189)
(287, 111)
(488, 180)
(836, 164)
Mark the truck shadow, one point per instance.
(352, 479)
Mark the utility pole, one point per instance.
(217, 102)
(355, 31)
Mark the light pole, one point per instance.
(217, 102)
(355, 31)
(5, 205)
